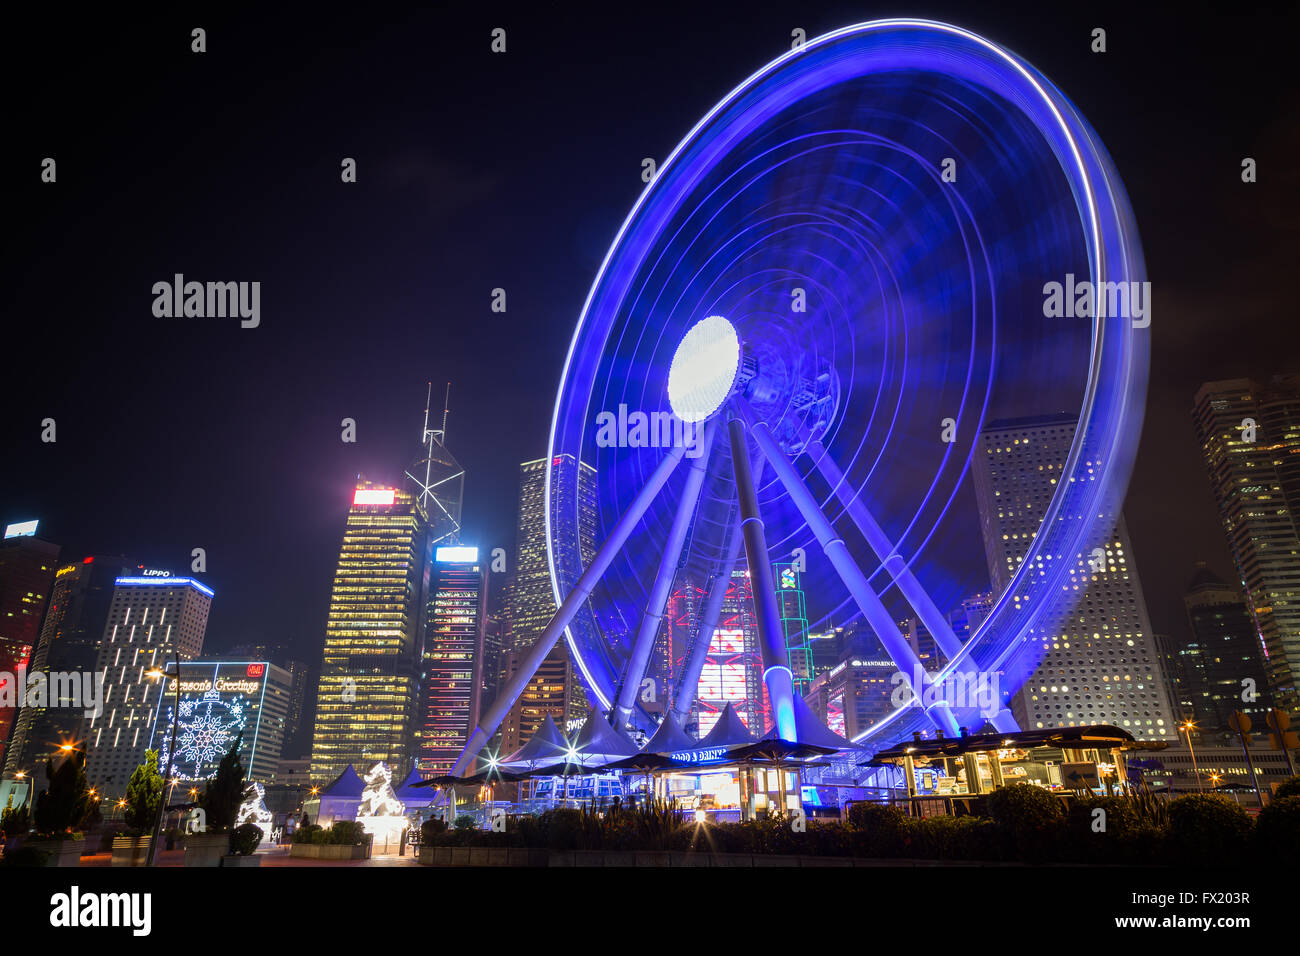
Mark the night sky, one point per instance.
(479, 171)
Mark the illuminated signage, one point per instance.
(150, 573)
(455, 553)
(374, 496)
(21, 529)
(256, 670)
(706, 755)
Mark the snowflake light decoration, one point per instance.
(204, 732)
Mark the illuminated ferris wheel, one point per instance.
(829, 289)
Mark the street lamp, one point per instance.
(171, 755)
(1189, 727)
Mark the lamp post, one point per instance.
(171, 757)
(1189, 727)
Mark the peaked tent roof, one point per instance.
(405, 788)
(346, 784)
(546, 746)
(810, 730)
(668, 737)
(598, 740)
(729, 731)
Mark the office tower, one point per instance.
(297, 730)
(152, 618)
(1250, 436)
(491, 670)
(1221, 667)
(451, 682)
(1099, 663)
(27, 567)
(794, 623)
(221, 701)
(968, 615)
(922, 642)
(366, 703)
(855, 694)
(69, 643)
(733, 667)
(685, 603)
(531, 598)
(824, 650)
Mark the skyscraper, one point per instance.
(26, 570)
(1100, 664)
(69, 643)
(794, 623)
(733, 667)
(1250, 437)
(151, 617)
(531, 599)
(1222, 665)
(451, 682)
(366, 703)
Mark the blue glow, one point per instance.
(165, 583)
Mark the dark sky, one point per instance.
(479, 171)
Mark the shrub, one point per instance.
(244, 839)
(1130, 835)
(430, 830)
(1207, 828)
(1287, 788)
(563, 827)
(1028, 819)
(66, 803)
(953, 838)
(1277, 830)
(143, 793)
(305, 834)
(14, 821)
(225, 791)
(346, 833)
(466, 822)
(25, 856)
(879, 830)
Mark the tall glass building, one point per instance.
(1099, 664)
(1250, 437)
(557, 688)
(451, 682)
(366, 703)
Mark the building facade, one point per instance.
(27, 566)
(1249, 434)
(451, 681)
(74, 624)
(367, 697)
(1099, 661)
(221, 702)
(153, 618)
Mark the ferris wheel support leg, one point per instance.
(915, 595)
(490, 721)
(653, 616)
(771, 638)
(877, 615)
(688, 682)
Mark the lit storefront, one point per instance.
(946, 774)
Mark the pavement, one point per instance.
(278, 856)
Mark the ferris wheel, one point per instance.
(831, 286)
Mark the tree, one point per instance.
(143, 793)
(225, 792)
(66, 803)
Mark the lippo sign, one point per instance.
(706, 755)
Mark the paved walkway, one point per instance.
(275, 857)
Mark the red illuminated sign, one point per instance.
(256, 670)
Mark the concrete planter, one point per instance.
(130, 851)
(61, 852)
(652, 858)
(206, 849)
(310, 851)
(234, 859)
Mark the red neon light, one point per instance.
(255, 670)
(89, 560)
(374, 496)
